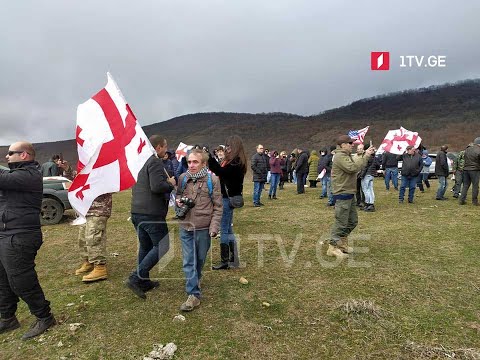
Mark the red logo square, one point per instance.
(380, 60)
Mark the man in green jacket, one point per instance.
(344, 185)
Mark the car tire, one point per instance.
(51, 211)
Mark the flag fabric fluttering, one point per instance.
(182, 150)
(396, 141)
(358, 135)
(112, 147)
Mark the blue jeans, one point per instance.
(257, 191)
(411, 183)
(391, 173)
(226, 231)
(367, 187)
(325, 181)
(442, 187)
(195, 246)
(153, 240)
(331, 200)
(294, 175)
(274, 180)
(269, 174)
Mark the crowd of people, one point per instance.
(207, 188)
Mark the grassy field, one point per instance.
(412, 291)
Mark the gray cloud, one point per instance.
(176, 57)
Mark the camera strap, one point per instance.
(209, 184)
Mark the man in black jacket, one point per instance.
(441, 171)
(301, 169)
(411, 167)
(149, 209)
(259, 167)
(21, 193)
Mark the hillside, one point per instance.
(448, 114)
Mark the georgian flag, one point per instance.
(396, 141)
(112, 147)
(182, 150)
(358, 135)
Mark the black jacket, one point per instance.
(301, 167)
(371, 168)
(231, 176)
(148, 194)
(21, 193)
(325, 163)
(412, 165)
(441, 164)
(389, 160)
(259, 167)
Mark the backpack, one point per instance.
(209, 185)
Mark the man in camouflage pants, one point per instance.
(92, 240)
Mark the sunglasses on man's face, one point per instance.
(10, 153)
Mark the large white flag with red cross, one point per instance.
(112, 147)
(396, 141)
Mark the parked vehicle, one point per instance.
(55, 199)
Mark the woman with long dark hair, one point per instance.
(231, 173)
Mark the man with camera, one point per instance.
(149, 209)
(199, 205)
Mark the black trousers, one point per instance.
(301, 183)
(470, 177)
(18, 278)
(360, 196)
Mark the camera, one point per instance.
(187, 204)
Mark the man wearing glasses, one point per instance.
(344, 187)
(21, 192)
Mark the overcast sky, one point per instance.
(177, 57)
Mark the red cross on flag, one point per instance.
(396, 141)
(112, 147)
(182, 150)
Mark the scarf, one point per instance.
(201, 173)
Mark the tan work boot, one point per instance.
(85, 268)
(336, 251)
(343, 245)
(191, 303)
(99, 273)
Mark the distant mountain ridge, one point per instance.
(444, 114)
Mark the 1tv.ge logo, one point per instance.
(380, 60)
